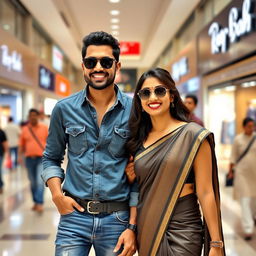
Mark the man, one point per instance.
(244, 147)
(93, 123)
(32, 143)
(3, 149)
(191, 103)
(12, 131)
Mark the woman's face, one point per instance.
(156, 105)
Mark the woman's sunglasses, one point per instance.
(105, 62)
(159, 91)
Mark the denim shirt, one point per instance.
(96, 155)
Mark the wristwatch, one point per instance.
(132, 227)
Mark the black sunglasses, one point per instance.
(159, 91)
(105, 62)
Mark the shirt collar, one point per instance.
(119, 98)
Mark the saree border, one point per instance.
(171, 205)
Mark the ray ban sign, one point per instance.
(240, 23)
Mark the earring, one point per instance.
(172, 105)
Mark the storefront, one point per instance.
(52, 86)
(227, 65)
(17, 78)
(183, 69)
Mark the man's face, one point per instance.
(100, 77)
(249, 128)
(189, 103)
(33, 118)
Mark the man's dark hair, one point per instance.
(33, 110)
(10, 119)
(193, 97)
(101, 38)
(247, 120)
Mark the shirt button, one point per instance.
(97, 195)
(97, 172)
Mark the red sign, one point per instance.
(62, 86)
(130, 48)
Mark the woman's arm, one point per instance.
(205, 193)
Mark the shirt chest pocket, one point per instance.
(77, 139)
(118, 141)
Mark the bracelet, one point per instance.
(216, 244)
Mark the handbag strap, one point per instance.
(246, 150)
(35, 137)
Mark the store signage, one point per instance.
(129, 48)
(57, 58)
(46, 78)
(62, 86)
(180, 68)
(238, 26)
(12, 61)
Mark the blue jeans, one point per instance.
(1, 166)
(78, 232)
(35, 168)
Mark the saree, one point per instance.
(161, 170)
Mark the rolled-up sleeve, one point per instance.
(55, 148)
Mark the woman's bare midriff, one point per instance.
(187, 189)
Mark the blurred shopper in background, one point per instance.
(32, 143)
(12, 131)
(175, 166)
(93, 123)
(243, 162)
(45, 119)
(3, 150)
(190, 102)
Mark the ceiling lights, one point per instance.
(114, 12)
(115, 33)
(114, 27)
(114, 20)
(114, 1)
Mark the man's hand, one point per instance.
(129, 170)
(128, 240)
(66, 204)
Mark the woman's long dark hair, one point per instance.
(140, 123)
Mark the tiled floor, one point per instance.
(24, 232)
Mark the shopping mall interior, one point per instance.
(208, 47)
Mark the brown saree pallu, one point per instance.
(161, 171)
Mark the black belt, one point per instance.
(97, 207)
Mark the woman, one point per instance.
(175, 165)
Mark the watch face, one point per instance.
(132, 227)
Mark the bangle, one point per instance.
(217, 244)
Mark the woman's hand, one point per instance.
(129, 170)
(215, 251)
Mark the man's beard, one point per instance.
(109, 82)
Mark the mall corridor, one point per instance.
(24, 232)
(53, 66)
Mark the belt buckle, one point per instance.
(89, 207)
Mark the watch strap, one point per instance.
(132, 227)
